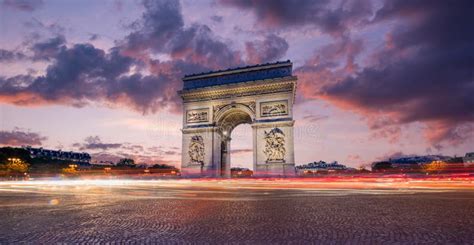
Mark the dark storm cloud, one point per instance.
(270, 49)
(82, 74)
(160, 22)
(192, 48)
(425, 72)
(23, 5)
(74, 73)
(326, 15)
(161, 30)
(17, 138)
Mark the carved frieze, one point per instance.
(275, 145)
(196, 150)
(250, 105)
(197, 115)
(274, 108)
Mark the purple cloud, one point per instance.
(48, 49)
(325, 15)
(424, 73)
(161, 30)
(19, 138)
(270, 49)
(10, 56)
(83, 74)
(94, 143)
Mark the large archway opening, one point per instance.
(241, 157)
(227, 122)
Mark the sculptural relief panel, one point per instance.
(274, 108)
(197, 115)
(274, 145)
(196, 150)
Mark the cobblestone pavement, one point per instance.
(147, 214)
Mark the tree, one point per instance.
(70, 170)
(16, 166)
(10, 152)
(163, 166)
(126, 162)
(381, 166)
(435, 166)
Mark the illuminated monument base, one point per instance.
(216, 102)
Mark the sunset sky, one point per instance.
(375, 79)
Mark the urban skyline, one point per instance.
(76, 77)
(236, 121)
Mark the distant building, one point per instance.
(416, 161)
(412, 162)
(240, 172)
(468, 159)
(76, 157)
(320, 166)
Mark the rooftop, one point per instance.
(240, 74)
(235, 70)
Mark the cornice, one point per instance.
(288, 123)
(258, 87)
(206, 129)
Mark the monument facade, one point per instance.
(216, 102)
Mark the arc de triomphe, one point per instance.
(214, 103)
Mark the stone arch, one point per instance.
(232, 115)
(216, 102)
(226, 119)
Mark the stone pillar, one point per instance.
(273, 149)
(225, 163)
(201, 148)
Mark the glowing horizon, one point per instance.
(102, 76)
